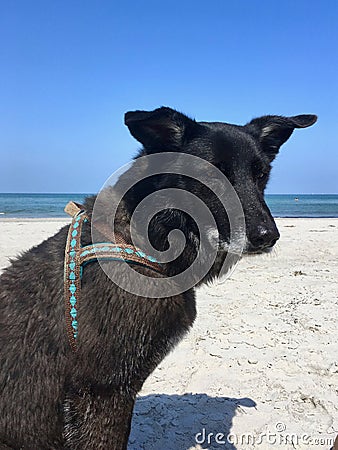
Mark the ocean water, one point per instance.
(36, 205)
(303, 205)
(52, 205)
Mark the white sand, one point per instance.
(261, 357)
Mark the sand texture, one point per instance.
(260, 359)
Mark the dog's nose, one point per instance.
(264, 238)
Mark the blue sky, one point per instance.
(71, 69)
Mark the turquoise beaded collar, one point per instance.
(77, 256)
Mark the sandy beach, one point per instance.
(259, 366)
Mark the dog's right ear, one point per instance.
(161, 129)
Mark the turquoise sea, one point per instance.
(51, 205)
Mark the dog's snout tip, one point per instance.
(274, 241)
(264, 238)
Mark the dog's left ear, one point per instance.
(273, 131)
(161, 129)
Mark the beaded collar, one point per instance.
(77, 256)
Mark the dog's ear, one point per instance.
(273, 131)
(161, 129)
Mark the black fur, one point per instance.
(54, 399)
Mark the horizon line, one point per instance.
(94, 193)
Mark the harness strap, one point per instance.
(76, 256)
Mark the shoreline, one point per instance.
(34, 219)
(67, 218)
(16, 206)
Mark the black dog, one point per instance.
(52, 398)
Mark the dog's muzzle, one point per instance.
(263, 239)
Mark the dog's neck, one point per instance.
(158, 230)
(158, 233)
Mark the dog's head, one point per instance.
(243, 153)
